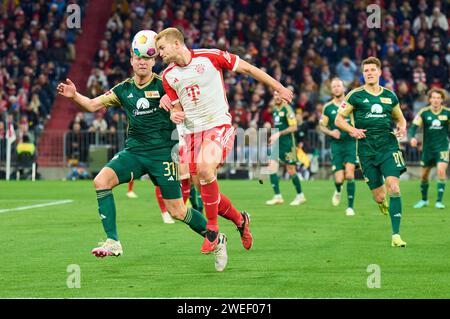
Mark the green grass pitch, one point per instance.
(308, 251)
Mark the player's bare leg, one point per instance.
(379, 196)
(350, 178)
(424, 185)
(300, 197)
(442, 176)
(104, 182)
(274, 181)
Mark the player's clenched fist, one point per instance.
(68, 90)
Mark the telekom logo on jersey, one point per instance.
(193, 92)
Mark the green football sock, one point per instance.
(296, 182)
(440, 190)
(424, 190)
(275, 183)
(351, 192)
(338, 187)
(107, 211)
(196, 221)
(395, 211)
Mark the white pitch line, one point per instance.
(60, 202)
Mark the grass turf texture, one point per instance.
(312, 250)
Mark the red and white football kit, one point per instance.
(200, 89)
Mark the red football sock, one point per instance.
(186, 188)
(210, 198)
(159, 197)
(228, 211)
(130, 185)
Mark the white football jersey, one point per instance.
(200, 88)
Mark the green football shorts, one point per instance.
(159, 166)
(376, 168)
(431, 158)
(341, 154)
(286, 155)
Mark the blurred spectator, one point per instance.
(418, 73)
(99, 124)
(438, 20)
(77, 144)
(346, 70)
(436, 72)
(79, 119)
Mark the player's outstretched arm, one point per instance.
(69, 90)
(248, 69)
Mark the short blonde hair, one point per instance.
(171, 34)
(337, 79)
(371, 60)
(438, 91)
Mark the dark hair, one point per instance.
(371, 60)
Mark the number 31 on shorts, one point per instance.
(398, 158)
(170, 169)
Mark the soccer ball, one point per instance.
(144, 45)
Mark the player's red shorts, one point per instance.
(223, 136)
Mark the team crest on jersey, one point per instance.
(200, 68)
(281, 113)
(152, 94)
(386, 100)
(443, 117)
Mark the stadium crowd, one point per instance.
(304, 44)
(36, 49)
(301, 43)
